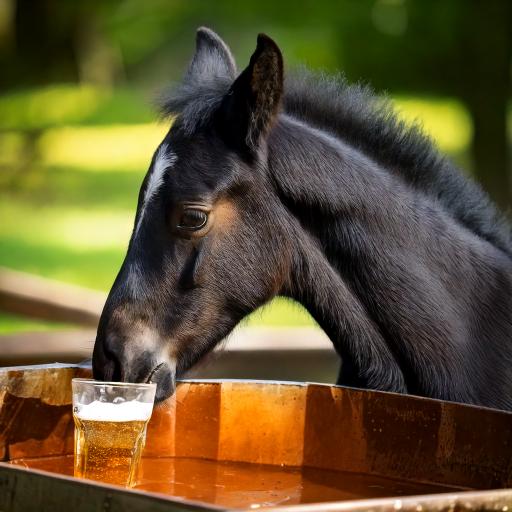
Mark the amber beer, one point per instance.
(110, 430)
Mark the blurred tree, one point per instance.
(41, 46)
(459, 48)
(485, 84)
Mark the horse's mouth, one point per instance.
(153, 371)
(163, 376)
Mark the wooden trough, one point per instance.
(249, 445)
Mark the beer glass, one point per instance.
(110, 429)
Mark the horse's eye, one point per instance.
(192, 220)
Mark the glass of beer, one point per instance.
(110, 429)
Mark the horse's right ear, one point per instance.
(250, 107)
(213, 58)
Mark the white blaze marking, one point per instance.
(162, 162)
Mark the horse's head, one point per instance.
(209, 243)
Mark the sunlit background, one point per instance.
(77, 130)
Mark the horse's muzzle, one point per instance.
(125, 362)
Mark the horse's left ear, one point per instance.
(252, 103)
(212, 59)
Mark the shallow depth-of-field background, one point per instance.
(77, 129)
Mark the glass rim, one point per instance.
(147, 385)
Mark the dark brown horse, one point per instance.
(311, 189)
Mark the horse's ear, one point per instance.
(213, 58)
(252, 103)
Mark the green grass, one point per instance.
(69, 213)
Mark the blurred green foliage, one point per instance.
(68, 104)
(77, 129)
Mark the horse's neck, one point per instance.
(305, 164)
(367, 359)
(382, 262)
(339, 195)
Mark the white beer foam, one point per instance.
(107, 411)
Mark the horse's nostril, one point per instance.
(116, 373)
(113, 366)
(105, 363)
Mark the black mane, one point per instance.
(369, 123)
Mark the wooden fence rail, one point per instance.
(38, 297)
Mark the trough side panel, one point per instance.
(35, 411)
(262, 423)
(408, 438)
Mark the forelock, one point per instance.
(194, 104)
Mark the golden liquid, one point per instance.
(109, 451)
